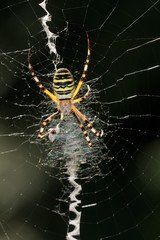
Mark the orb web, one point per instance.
(59, 188)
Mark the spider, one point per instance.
(64, 93)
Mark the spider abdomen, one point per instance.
(63, 84)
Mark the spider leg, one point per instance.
(83, 130)
(46, 91)
(84, 97)
(83, 77)
(84, 119)
(44, 124)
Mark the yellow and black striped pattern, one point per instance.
(64, 89)
(63, 84)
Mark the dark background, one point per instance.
(128, 201)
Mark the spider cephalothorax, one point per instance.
(64, 93)
(64, 107)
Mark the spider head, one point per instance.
(65, 107)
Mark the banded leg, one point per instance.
(44, 124)
(84, 97)
(84, 131)
(46, 91)
(89, 125)
(83, 77)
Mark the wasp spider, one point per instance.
(64, 93)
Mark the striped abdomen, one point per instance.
(63, 84)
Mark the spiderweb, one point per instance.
(58, 188)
